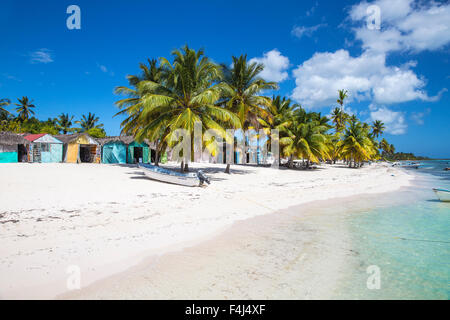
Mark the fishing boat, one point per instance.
(443, 194)
(165, 175)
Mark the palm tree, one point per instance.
(24, 108)
(353, 119)
(356, 146)
(3, 104)
(342, 95)
(243, 94)
(280, 115)
(244, 87)
(377, 128)
(132, 106)
(385, 147)
(306, 138)
(186, 94)
(391, 149)
(89, 122)
(339, 118)
(64, 123)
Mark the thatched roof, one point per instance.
(68, 138)
(125, 140)
(10, 138)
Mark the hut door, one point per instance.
(22, 153)
(85, 153)
(138, 154)
(36, 152)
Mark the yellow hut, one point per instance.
(80, 147)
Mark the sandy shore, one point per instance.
(104, 219)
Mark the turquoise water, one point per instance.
(407, 236)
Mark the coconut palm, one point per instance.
(377, 128)
(64, 123)
(24, 108)
(3, 104)
(244, 87)
(280, 116)
(355, 145)
(243, 92)
(342, 95)
(306, 139)
(385, 146)
(353, 119)
(187, 93)
(391, 149)
(132, 106)
(89, 122)
(339, 119)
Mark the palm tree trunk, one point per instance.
(291, 162)
(157, 156)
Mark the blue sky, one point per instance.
(397, 73)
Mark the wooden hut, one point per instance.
(80, 147)
(13, 148)
(114, 149)
(124, 149)
(44, 148)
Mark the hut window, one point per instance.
(45, 147)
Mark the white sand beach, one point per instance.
(127, 231)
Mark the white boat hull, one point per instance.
(169, 176)
(443, 195)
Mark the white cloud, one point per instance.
(11, 77)
(418, 116)
(105, 69)
(41, 56)
(312, 10)
(366, 77)
(405, 26)
(394, 121)
(300, 31)
(275, 66)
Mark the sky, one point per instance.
(391, 55)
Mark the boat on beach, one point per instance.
(411, 165)
(192, 179)
(443, 194)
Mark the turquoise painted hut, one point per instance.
(13, 148)
(124, 149)
(44, 148)
(114, 149)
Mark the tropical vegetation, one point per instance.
(172, 94)
(24, 121)
(176, 93)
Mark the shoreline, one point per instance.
(143, 281)
(206, 229)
